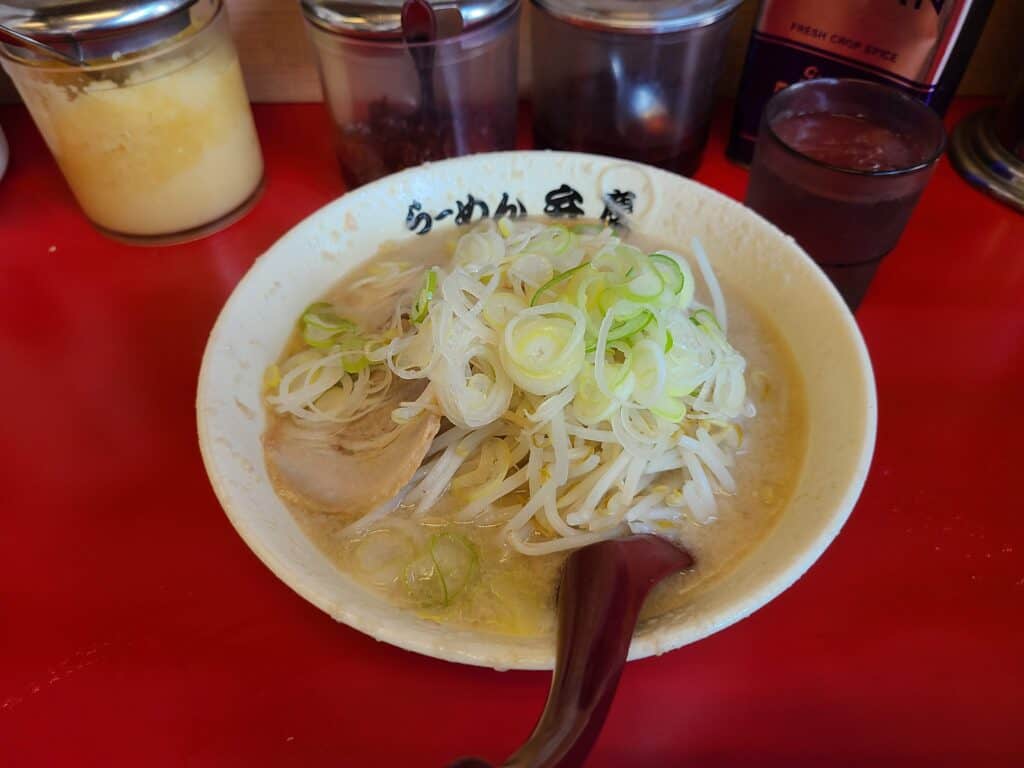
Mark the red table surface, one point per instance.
(136, 628)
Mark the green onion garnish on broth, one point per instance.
(577, 387)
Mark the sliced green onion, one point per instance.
(351, 344)
(553, 241)
(557, 279)
(686, 371)
(500, 307)
(322, 326)
(708, 323)
(609, 302)
(319, 337)
(627, 328)
(444, 572)
(426, 295)
(355, 364)
(623, 368)
(542, 348)
(670, 408)
(619, 262)
(645, 288)
(588, 295)
(649, 367)
(632, 275)
(590, 404)
(605, 298)
(457, 561)
(322, 315)
(703, 318)
(670, 271)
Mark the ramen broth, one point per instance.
(511, 593)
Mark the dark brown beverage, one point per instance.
(840, 169)
(847, 235)
(850, 142)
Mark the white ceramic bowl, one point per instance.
(764, 264)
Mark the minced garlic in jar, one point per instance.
(159, 146)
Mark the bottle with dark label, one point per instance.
(919, 46)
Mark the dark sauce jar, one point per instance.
(628, 79)
(396, 104)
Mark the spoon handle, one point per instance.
(12, 36)
(602, 589)
(419, 28)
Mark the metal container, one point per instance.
(626, 78)
(988, 149)
(144, 108)
(395, 102)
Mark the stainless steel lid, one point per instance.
(81, 30)
(984, 161)
(383, 18)
(646, 16)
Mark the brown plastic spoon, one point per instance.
(419, 28)
(599, 599)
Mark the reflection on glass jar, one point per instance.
(628, 79)
(158, 144)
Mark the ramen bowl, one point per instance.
(764, 266)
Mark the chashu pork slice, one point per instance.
(351, 468)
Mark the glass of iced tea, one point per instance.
(840, 165)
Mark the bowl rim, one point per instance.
(485, 652)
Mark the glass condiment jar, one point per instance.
(396, 104)
(627, 78)
(144, 108)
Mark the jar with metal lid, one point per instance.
(627, 78)
(400, 94)
(987, 148)
(144, 108)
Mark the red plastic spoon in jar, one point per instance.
(599, 599)
(419, 29)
